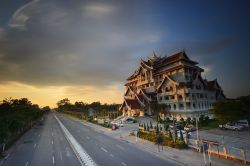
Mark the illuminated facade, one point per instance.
(173, 80)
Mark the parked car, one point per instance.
(231, 126)
(117, 123)
(130, 120)
(177, 126)
(184, 133)
(243, 123)
(190, 128)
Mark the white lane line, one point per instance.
(61, 156)
(27, 163)
(80, 153)
(111, 155)
(124, 164)
(104, 149)
(52, 142)
(34, 146)
(52, 134)
(53, 160)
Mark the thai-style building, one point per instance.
(173, 80)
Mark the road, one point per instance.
(46, 144)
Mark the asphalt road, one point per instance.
(46, 144)
(43, 145)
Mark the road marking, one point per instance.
(122, 148)
(80, 153)
(52, 142)
(35, 146)
(111, 155)
(52, 134)
(61, 156)
(124, 164)
(27, 163)
(104, 149)
(39, 135)
(53, 160)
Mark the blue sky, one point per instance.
(78, 48)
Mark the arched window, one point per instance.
(180, 97)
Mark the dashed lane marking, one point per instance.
(53, 160)
(104, 149)
(124, 164)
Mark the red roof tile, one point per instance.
(133, 103)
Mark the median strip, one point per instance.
(81, 154)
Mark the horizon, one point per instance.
(85, 51)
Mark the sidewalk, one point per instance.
(184, 157)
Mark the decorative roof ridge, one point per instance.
(127, 104)
(166, 76)
(139, 100)
(149, 99)
(143, 62)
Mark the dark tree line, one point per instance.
(79, 106)
(232, 109)
(16, 116)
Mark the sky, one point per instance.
(85, 50)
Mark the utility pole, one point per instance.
(197, 131)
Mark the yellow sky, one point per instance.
(49, 95)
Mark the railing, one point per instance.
(220, 150)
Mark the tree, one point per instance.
(63, 104)
(157, 129)
(231, 110)
(151, 126)
(159, 108)
(181, 136)
(144, 126)
(147, 127)
(170, 135)
(159, 141)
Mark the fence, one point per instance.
(220, 150)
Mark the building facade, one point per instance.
(173, 80)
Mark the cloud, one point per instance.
(98, 10)
(21, 16)
(59, 44)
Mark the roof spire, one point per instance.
(152, 56)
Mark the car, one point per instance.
(190, 128)
(231, 126)
(177, 126)
(117, 123)
(184, 133)
(243, 123)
